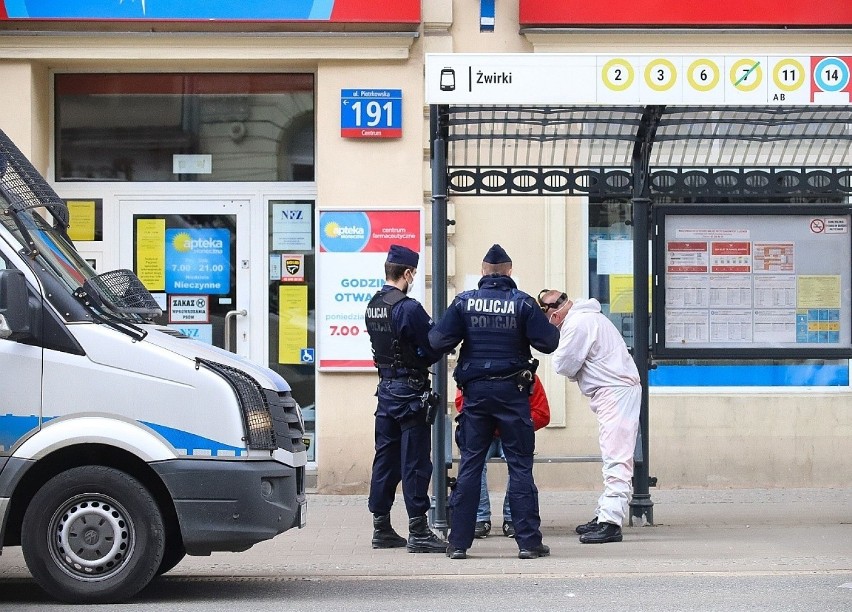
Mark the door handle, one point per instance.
(228, 317)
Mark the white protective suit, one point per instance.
(592, 352)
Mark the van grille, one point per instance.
(286, 419)
(260, 434)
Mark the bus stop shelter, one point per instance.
(647, 143)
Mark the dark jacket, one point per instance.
(497, 325)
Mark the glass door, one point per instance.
(193, 255)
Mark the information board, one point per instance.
(663, 78)
(353, 246)
(769, 281)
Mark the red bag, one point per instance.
(539, 406)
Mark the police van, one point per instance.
(124, 445)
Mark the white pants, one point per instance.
(617, 409)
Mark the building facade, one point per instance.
(248, 133)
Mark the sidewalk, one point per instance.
(717, 532)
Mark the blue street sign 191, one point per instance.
(371, 113)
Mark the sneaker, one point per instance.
(508, 529)
(482, 529)
(606, 532)
(542, 550)
(592, 525)
(456, 553)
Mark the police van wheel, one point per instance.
(93, 534)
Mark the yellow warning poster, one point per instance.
(151, 253)
(81, 223)
(292, 323)
(621, 293)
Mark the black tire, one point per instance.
(173, 555)
(93, 534)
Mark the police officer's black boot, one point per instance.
(383, 534)
(421, 539)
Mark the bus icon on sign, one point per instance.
(448, 79)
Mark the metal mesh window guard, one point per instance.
(24, 187)
(123, 290)
(253, 404)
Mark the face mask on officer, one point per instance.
(408, 277)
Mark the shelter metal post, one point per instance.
(641, 506)
(441, 460)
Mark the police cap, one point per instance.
(398, 254)
(496, 255)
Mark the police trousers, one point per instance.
(403, 448)
(490, 405)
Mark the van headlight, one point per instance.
(260, 434)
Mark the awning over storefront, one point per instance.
(619, 13)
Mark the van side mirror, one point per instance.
(14, 305)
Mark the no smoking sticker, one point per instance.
(830, 225)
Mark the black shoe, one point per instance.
(508, 529)
(383, 534)
(421, 539)
(456, 553)
(482, 529)
(606, 532)
(592, 525)
(542, 550)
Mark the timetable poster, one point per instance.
(757, 281)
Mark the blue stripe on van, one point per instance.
(194, 444)
(13, 427)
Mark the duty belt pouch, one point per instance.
(524, 379)
(430, 402)
(417, 381)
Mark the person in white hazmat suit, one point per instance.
(592, 352)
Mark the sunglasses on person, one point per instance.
(545, 306)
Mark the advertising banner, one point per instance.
(333, 11)
(821, 13)
(353, 248)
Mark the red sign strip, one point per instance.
(818, 13)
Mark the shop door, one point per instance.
(194, 258)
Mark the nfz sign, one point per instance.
(371, 113)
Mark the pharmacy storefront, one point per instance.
(189, 141)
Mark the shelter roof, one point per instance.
(605, 136)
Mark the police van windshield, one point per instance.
(50, 251)
(48, 247)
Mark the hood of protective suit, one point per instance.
(590, 305)
(592, 351)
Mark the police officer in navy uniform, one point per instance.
(398, 327)
(496, 324)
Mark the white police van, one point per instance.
(124, 445)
